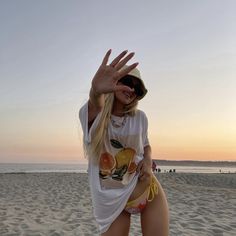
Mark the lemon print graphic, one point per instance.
(124, 157)
(123, 160)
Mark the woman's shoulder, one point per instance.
(140, 113)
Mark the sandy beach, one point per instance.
(56, 204)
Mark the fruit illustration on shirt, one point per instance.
(106, 164)
(116, 167)
(123, 158)
(132, 167)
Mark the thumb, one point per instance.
(123, 88)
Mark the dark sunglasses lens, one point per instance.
(127, 81)
(138, 91)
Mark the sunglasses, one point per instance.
(128, 81)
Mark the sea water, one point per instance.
(196, 169)
(82, 168)
(42, 167)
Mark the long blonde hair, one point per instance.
(98, 136)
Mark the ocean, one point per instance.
(82, 168)
(41, 167)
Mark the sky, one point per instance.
(50, 51)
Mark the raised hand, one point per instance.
(107, 76)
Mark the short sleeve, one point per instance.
(83, 116)
(145, 130)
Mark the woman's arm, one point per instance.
(105, 81)
(145, 166)
(145, 174)
(147, 155)
(95, 104)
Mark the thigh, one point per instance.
(120, 226)
(155, 216)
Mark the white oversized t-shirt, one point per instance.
(114, 178)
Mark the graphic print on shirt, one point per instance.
(120, 167)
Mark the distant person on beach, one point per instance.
(119, 154)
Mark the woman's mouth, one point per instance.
(127, 94)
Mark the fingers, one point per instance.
(140, 165)
(124, 61)
(105, 59)
(127, 70)
(143, 170)
(142, 175)
(118, 58)
(118, 63)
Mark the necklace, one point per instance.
(117, 123)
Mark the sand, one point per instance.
(56, 204)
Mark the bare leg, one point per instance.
(120, 226)
(155, 216)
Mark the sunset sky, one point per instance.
(50, 50)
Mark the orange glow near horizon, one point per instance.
(179, 150)
(56, 143)
(192, 149)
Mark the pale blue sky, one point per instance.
(50, 50)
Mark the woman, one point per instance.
(116, 142)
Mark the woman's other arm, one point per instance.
(145, 166)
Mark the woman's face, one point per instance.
(125, 97)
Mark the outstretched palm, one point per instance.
(107, 76)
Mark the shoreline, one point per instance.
(78, 173)
(77, 168)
